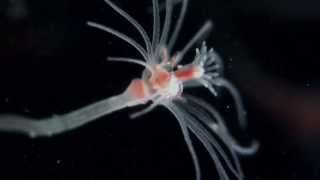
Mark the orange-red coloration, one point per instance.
(187, 73)
(160, 79)
(138, 89)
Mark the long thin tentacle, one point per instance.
(176, 112)
(167, 22)
(134, 23)
(144, 111)
(218, 129)
(122, 36)
(203, 139)
(236, 96)
(178, 26)
(223, 131)
(208, 142)
(197, 116)
(203, 30)
(156, 24)
(131, 60)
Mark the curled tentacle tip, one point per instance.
(250, 150)
(254, 147)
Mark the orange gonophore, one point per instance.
(138, 89)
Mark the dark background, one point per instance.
(52, 63)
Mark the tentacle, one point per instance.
(204, 140)
(167, 22)
(222, 131)
(209, 60)
(131, 60)
(197, 115)
(203, 30)
(208, 141)
(122, 36)
(144, 111)
(156, 24)
(134, 23)
(236, 96)
(178, 26)
(181, 119)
